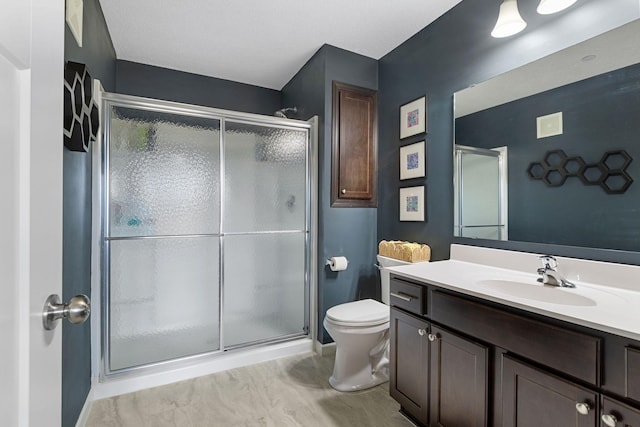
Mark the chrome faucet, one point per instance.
(549, 274)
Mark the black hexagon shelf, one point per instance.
(536, 170)
(610, 173)
(81, 114)
(554, 177)
(574, 166)
(555, 159)
(616, 182)
(616, 161)
(592, 174)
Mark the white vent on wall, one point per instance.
(549, 125)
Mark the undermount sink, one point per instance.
(538, 292)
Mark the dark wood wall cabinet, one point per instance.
(354, 166)
(460, 361)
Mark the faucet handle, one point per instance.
(549, 262)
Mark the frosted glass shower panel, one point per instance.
(264, 294)
(164, 174)
(480, 196)
(164, 299)
(265, 178)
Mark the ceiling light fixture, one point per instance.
(547, 7)
(509, 20)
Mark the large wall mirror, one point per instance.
(550, 152)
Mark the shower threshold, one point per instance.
(196, 366)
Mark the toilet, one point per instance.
(360, 330)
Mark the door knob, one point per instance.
(432, 337)
(422, 332)
(609, 420)
(77, 311)
(344, 191)
(583, 408)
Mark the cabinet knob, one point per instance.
(432, 337)
(422, 332)
(583, 408)
(343, 191)
(609, 420)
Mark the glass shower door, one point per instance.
(265, 232)
(480, 193)
(162, 236)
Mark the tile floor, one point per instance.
(286, 392)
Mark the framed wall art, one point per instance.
(412, 203)
(413, 161)
(413, 118)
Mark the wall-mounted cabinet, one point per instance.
(354, 165)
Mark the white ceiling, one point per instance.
(260, 42)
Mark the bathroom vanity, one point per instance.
(474, 343)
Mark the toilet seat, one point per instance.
(363, 313)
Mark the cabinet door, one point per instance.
(409, 360)
(618, 414)
(355, 138)
(534, 398)
(459, 387)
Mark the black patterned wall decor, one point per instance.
(81, 115)
(610, 173)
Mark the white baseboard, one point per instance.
(325, 349)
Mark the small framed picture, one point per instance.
(413, 118)
(412, 161)
(412, 203)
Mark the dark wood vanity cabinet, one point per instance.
(459, 361)
(434, 370)
(615, 413)
(534, 398)
(409, 360)
(459, 373)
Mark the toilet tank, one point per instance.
(385, 277)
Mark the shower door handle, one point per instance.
(77, 310)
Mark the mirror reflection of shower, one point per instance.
(283, 113)
(480, 196)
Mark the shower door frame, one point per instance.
(110, 100)
(503, 193)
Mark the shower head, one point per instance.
(282, 113)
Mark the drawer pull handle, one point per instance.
(432, 337)
(422, 332)
(403, 297)
(583, 408)
(609, 420)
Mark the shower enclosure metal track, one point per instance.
(224, 117)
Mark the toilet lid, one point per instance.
(359, 313)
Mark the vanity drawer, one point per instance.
(567, 351)
(408, 296)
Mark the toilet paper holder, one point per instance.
(337, 263)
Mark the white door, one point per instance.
(31, 112)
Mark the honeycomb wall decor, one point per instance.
(81, 115)
(610, 173)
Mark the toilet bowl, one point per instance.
(360, 330)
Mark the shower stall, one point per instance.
(206, 231)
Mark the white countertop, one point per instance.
(613, 308)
